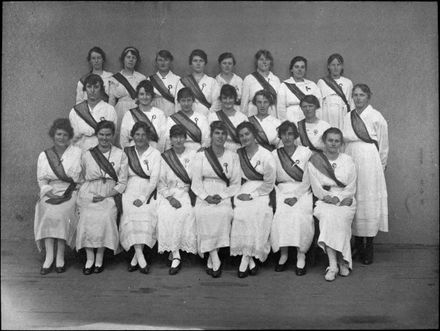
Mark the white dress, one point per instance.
(287, 102)
(236, 82)
(138, 224)
(156, 117)
(253, 219)
(314, 132)
(170, 81)
(236, 119)
(371, 195)
(293, 225)
(214, 221)
(270, 125)
(83, 134)
(176, 228)
(82, 95)
(252, 86)
(97, 220)
(334, 220)
(57, 221)
(333, 109)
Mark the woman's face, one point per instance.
(262, 105)
(140, 138)
(130, 60)
(93, 91)
(227, 66)
(163, 64)
(144, 98)
(186, 104)
(218, 138)
(198, 64)
(246, 137)
(61, 138)
(263, 63)
(228, 102)
(96, 61)
(333, 142)
(309, 110)
(178, 141)
(335, 68)
(298, 70)
(288, 137)
(360, 98)
(105, 137)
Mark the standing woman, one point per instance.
(293, 220)
(176, 222)
(104, 169)
(252, 214)
(336, 93)
(216, 179)
(366, 135)
(227, 63)
(96, 59)
(58, 171)
(139, 218)
(262, 78)
(293, 90)
(205, 89)
(333, 180)
(229, 115)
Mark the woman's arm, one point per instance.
(197, 176)
(281, 103)
(234, 180)
(269, 177)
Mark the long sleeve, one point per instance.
(126, 125)
(215, 95)
(316, 185)
(197, 177)
(234, 180)
(122, 174)
(74, 123)
(381, 128)
(269, 177)
(281, 103)
(162, 186)
(111, 93)
(245, 96)
(154, 177)
(79, 93)
(179, 86)
(350, 188)
(43, 182)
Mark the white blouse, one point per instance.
(170, 81)
(314, 132)
(270, 125)
(236, 119)
(118, 92)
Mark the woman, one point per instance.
(333, 180)
(176, 223)
(205, 89)
(96, 59)
(227, 63)
(139, 218)
(229, 115)
(311, 128)
(265, 124)
(336, 93)
(122, 93)
(262, 78)
(164, 82)
(366, 134)
(104, 169)
(145, 112)
(293, 90)
(293, 223)
(58, 171)
(216, 179)
(252, 214)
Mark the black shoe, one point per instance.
(281, 267)
(175, 270)
(300, 271)
(45, 271)
(243, 274)
(132, 268)
(60, 269)
(254, 270)
(209, 271)
(87, 271)
(145, 270)
(98, 270)
(368, 257)
(358, 250)
(217, 273)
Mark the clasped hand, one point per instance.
(174, 202)
(137, 203)
(331, 200)
(290, 201)
(244, 197)
(98, 198)
(213, 199)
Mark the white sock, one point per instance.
(300, 259)
(215, 259)
(99, 256)
(331, 253)
(244, 263)
(134, 260)
(284, 255)
(209, 263)
(140, 255)
(61, 245)
(176, 255)
(48, 243)
(251, 263)
(90, 257)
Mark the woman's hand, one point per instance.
(98, 198)
(174, 202)
(213, 199)
(53, 196)
(290, 201)
(331, 200)
(244, 197)
(137, 203)
(346, 202)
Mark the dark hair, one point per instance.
(178, 130)
(218, 125)
(310, 98)
(285, 126)
(266, 54)
(335, 56)
(297, 59)
(228, 91)
(265, 94)
(198, 52)
(61, 124)
(92, 79)
(247, 125)
(165, 54)
(226, 55)
(148, 87)
(334, 131)
(140, 125)
(135, 52)
(185, 92)
(364, 88)
(98, 50)
(105, 125)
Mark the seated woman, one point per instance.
(311, 128)
(104, 169)
(145, 112)
(96, 59)
(252, 214)
(58, 171)
(139, 218)
(293, 220)
(216, 179)
(227, 63)
(195, 123)
(205, 88)
(176, 222)
(333, 180)
(229, 115)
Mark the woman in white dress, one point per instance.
(96, 59)
(176, 224)
(227, 64)
(252, 214)
(333, 180)
(366, 135)
(336, 93)
(205, 88)
(229, 115)
(216, 179)
(292, 224)
(58, 171)
(104, 169)
(292, 90)
(147, 113)
(262, 78)
(139, 218)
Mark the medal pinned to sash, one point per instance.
(261, 135)
(337, 89)
(139, 116)
(360, 129)
(303, 136)
(289, 166)
(323, 165)
(191, 128)
(190, 82)
(163, 90)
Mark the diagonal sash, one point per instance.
(191, 128)
(58, 169)
(82, 110)
(139, 116)
(261, 136)
(322, 164)
(337, 89)
(230, 127)
(265, 85)
(160, 86)
(190, 82)
(305, 141)
(290, 167)
(295, 90)
(121, 79)
(215, 164)
(360, 129)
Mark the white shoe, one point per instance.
(330, 274)
(344, 271)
